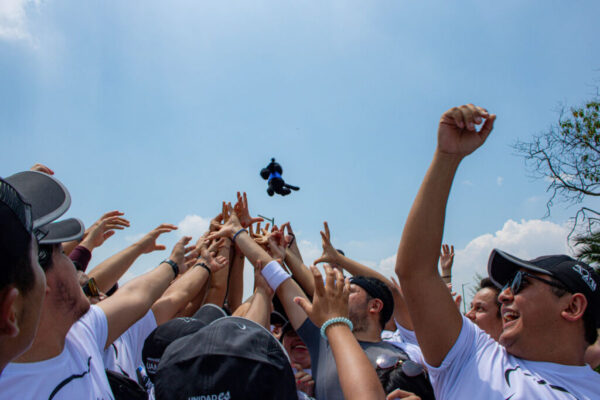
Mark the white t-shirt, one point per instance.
(124, 355)
(76, 373)
(478, 367)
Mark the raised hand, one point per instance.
(329, 301)
(330, 254)
(457, 132)
(182, 254)
(216, 222)
(241, 209)
(42, 168)
(209, 253)
(230, 227)
(148, 242)
(455, 296)
(104, 228)
(276, 244)
(446, 260)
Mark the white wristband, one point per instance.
(274, 274)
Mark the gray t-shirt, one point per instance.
(325, 374)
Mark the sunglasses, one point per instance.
(90, 288)
(518, 283)
(409, 367)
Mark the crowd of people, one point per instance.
(332, 328)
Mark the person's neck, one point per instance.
(565, 351)
(371, 334)
(49, 340)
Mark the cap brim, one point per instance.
(209, 313)
(502, 267)
(276, 318)
(62, 231)
(48, 197)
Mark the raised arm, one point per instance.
(358, 379)
(132, 301)
(437, 322)
(446, 261)
(108, 272)
(184, 289)
(331, 255)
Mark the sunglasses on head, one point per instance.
(409, 367)
(518, 283)
(90, 288)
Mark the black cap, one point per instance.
(49, 199)
(378, 290)
(167, 333)
(576, 276)
(232, 358)
(16, 221)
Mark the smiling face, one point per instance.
(484, 312)
(296, 349)
(530, 318)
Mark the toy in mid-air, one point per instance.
(272, 173)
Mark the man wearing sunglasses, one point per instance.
(549, 305)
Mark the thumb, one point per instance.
(304, 304)
(320, 260)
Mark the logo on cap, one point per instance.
(585, 275)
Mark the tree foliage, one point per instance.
(567, 155)
(588, 248)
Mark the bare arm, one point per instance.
(331, 255)
(236, 280)
(300, 272)
(358, 379)
(437, 322)
(110, 271)
(132, 301)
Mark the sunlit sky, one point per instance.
(164, 109)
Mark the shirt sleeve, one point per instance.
(95, 322)
(310, 334)
(81, 257)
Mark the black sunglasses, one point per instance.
(90, 288)
(518, 283)
(409, 367)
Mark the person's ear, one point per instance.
(375, 306)
(575, 308)
(9, 326)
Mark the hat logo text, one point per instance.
(585, 275)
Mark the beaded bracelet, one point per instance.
(336, 320)
(237, 233)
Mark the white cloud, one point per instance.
(525, 239)
(467, 182)
(310, 251)
(499, 181)
(193, 225)
(13, 19)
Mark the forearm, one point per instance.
(191, 307)
(132, 301)
(108, 272)
(418, 252)
(260, 308)
(358, 378)
(236, 280)
(252, 250)
(416, 263)
(286, 292)
(179, 294)
(300, 272)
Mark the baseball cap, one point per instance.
(576, 276)
(16, 221)
(378, 290)
(49, 200)
(232, 358)
(166, 333)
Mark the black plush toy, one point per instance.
(273, 172)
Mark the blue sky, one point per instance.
(164, 109)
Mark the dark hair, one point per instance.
(385, 295)
(393, 378)
(589, 322)
(15, 259)
(486, 283)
